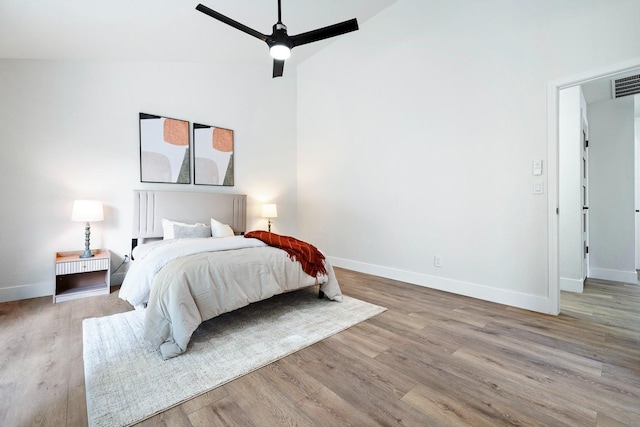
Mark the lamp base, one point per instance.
(86, 254)
(87, 234)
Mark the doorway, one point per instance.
(553, 152)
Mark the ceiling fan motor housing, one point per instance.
(280, 36)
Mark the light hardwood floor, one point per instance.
(432, 359)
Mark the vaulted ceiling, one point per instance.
(163, 30)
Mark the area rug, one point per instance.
(127, 381)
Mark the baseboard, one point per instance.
(473, 290)
(33, 290)
(613, 275)
(571, 285)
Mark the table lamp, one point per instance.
(87, 211)
(269, 211)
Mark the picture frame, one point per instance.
(165, 154)
(213, 153)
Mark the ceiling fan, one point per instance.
(279, 42)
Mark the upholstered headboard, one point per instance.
(150, 206)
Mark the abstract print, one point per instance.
(213, 154)
(164, 150)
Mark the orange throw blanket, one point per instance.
(308, 255)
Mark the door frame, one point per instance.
(636, 180)
(584, 181)
(553, 201)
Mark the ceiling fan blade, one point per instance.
(235, 24)
(325, 33)
(278, 67)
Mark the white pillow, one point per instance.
(167, 228)
(219, 229)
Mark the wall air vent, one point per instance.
(625, 86)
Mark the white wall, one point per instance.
(612, 190)
(572, 113)
(70, 130)
(416, 136)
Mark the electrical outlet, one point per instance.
(437, 261)
(126, 258)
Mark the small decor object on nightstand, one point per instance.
(87, 211)
(269, 211)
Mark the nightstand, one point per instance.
(82, 277)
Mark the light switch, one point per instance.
(538, 187)
(537, 167)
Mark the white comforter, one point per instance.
(152, 257)
(187, 281)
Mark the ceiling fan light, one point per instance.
(280, 51)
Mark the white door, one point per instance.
(637, 182)
(584, 169)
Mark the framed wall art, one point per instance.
(164, 150)
(213, 155)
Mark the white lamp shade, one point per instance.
(87, 211)
(280, 51)
(269, 211)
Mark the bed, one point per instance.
(181, 277)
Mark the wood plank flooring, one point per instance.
(432, 359)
